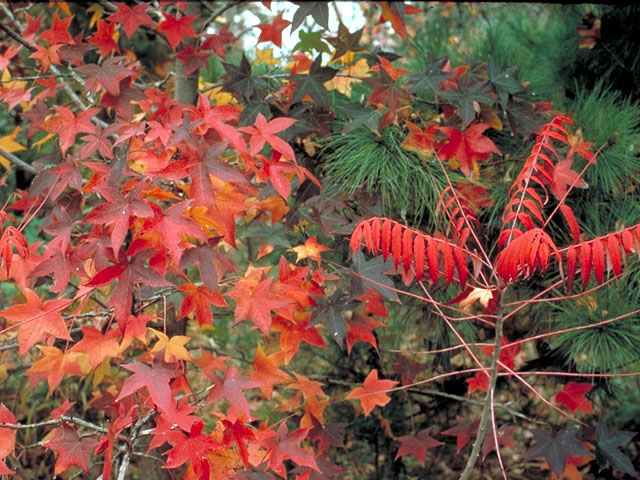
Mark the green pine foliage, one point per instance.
(609, 348)
(362, 160)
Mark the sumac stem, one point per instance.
(486, 411)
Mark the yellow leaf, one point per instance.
(311, 249)
(174, 346)
(64, 6)
(43, 140)
(266, 56)
(355, 72)
(103, 370)
(8, 144)
(98, 12)
(216, 94)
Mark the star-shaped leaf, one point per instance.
(556, 449)
(312, 84)
(177, 28)
(371, 275)
(319, 11)
(417, 445)
(572, 397)
(59, 31)
(107, 75)
(257, 302)
(241, 80)
(155, 378)
(272, 32)
(131, 18)
(608, 451)
(346, 42)
(230, 387)
(284, 446)
(71, 449)
(373, 393)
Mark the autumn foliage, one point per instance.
(182, 264)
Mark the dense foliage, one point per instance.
(356, 255)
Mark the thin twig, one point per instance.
(17, 162)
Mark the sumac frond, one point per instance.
(528, 252)
(437, 256)
(545, 170)
(601, 255)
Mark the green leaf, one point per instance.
(251, 111)
(346, 42)
(431, 77)
(465, 98)
(319, 11)
(503, 80)
(362, 117)
(371, 274)
(608, 452)
(556, 449)
(329, 313)
(241, 80)
(311, 41)
(313, 83)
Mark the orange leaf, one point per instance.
(267, 370)
(374, 392)
(311, 249)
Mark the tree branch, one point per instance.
(17, 162)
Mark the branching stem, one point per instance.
(486, 411)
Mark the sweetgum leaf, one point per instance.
(608, 452)
(371, 274)
(556, 449)
(319, 11)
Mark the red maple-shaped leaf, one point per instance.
(504, 436)
(36, 320)
(467, 147)
(7, 438)
(116, 211)
(264, 132)
(71, 448)
(572, 396)
(417, 445)
(173, 226)
(361, 329)
(106, 75)
(256, 302)
(155, 378)
(480, 381)
(267, 370)
(97, 346)
(230, 387)
(131, 18)
(374, 392)
(199, 299)
(272, 32)
(463, 431)
(237, 432)
(53, 364)
(284, 446)
(103, 38)
(293, 333)
(59, 31)
(564, 177)
(47, 56)
(67, 125)
(177, 28)
(193, 448)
